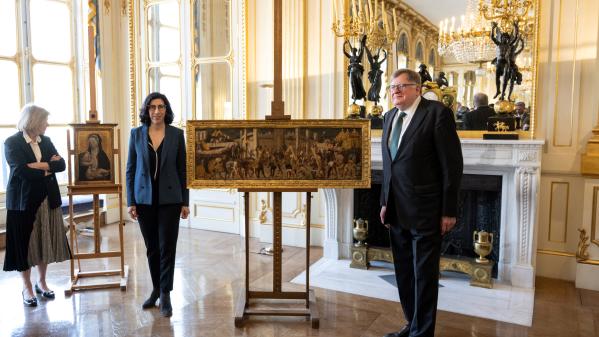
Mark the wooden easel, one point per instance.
(243, 304)
(95, 190)
(242, 308)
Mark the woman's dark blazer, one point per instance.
(173, 169)
(28, 187)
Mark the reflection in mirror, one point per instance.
(213, 91)
(163, 32)
(402, 51)
(419, 53)
(466, 52)
(483, 63)
(431, 60)
(211, 28)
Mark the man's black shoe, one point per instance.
(404, 332)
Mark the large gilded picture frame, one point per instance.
(286, 154)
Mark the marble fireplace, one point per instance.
(516, 162)
(517, 165)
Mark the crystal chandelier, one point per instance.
(470, 42)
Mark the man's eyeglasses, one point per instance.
(394, 87)
(159, 107)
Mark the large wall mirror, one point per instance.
(466, 57)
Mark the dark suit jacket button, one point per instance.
(142, 187)
(170, 187)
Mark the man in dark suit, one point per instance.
(477, 118)
(422, 169)
(523, 116)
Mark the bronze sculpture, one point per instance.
(424, 75)
(508, 48)
(375, 73)
(355, 68)
(442, 80)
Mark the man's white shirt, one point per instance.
(406, 120)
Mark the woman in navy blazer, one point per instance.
(35, 234)
(157, 192)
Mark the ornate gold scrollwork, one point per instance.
(263, 211)
(582, 252)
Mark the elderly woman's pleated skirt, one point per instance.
(34, 237)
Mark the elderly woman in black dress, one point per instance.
(35, 234)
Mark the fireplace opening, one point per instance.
(479, 208)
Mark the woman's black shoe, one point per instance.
(151, 301)
(45, 294)
(166, 308)
(29, 302)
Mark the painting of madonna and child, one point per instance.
(93, 147)
(279, 154)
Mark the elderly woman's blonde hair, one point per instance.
(32, 117)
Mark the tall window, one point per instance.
(419, 54)
(431, 62)
(402, 51)
(206, 87)
(212, 68)
(163, 52)
(38, 63)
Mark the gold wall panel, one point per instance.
(558, 212)
(594, 234)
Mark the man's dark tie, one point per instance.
(395, 133)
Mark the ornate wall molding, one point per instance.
(527, 181)
(331, 219)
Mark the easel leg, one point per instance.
(97, 236)
(68, 291)
(242, 308)
(308, 206)
(124, 269)
(314, 314)
(277, 244)
(243, 298)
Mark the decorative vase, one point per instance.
(483, 244)
(360, 232)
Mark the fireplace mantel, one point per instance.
(518, 162)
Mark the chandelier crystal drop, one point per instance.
(470, 42)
